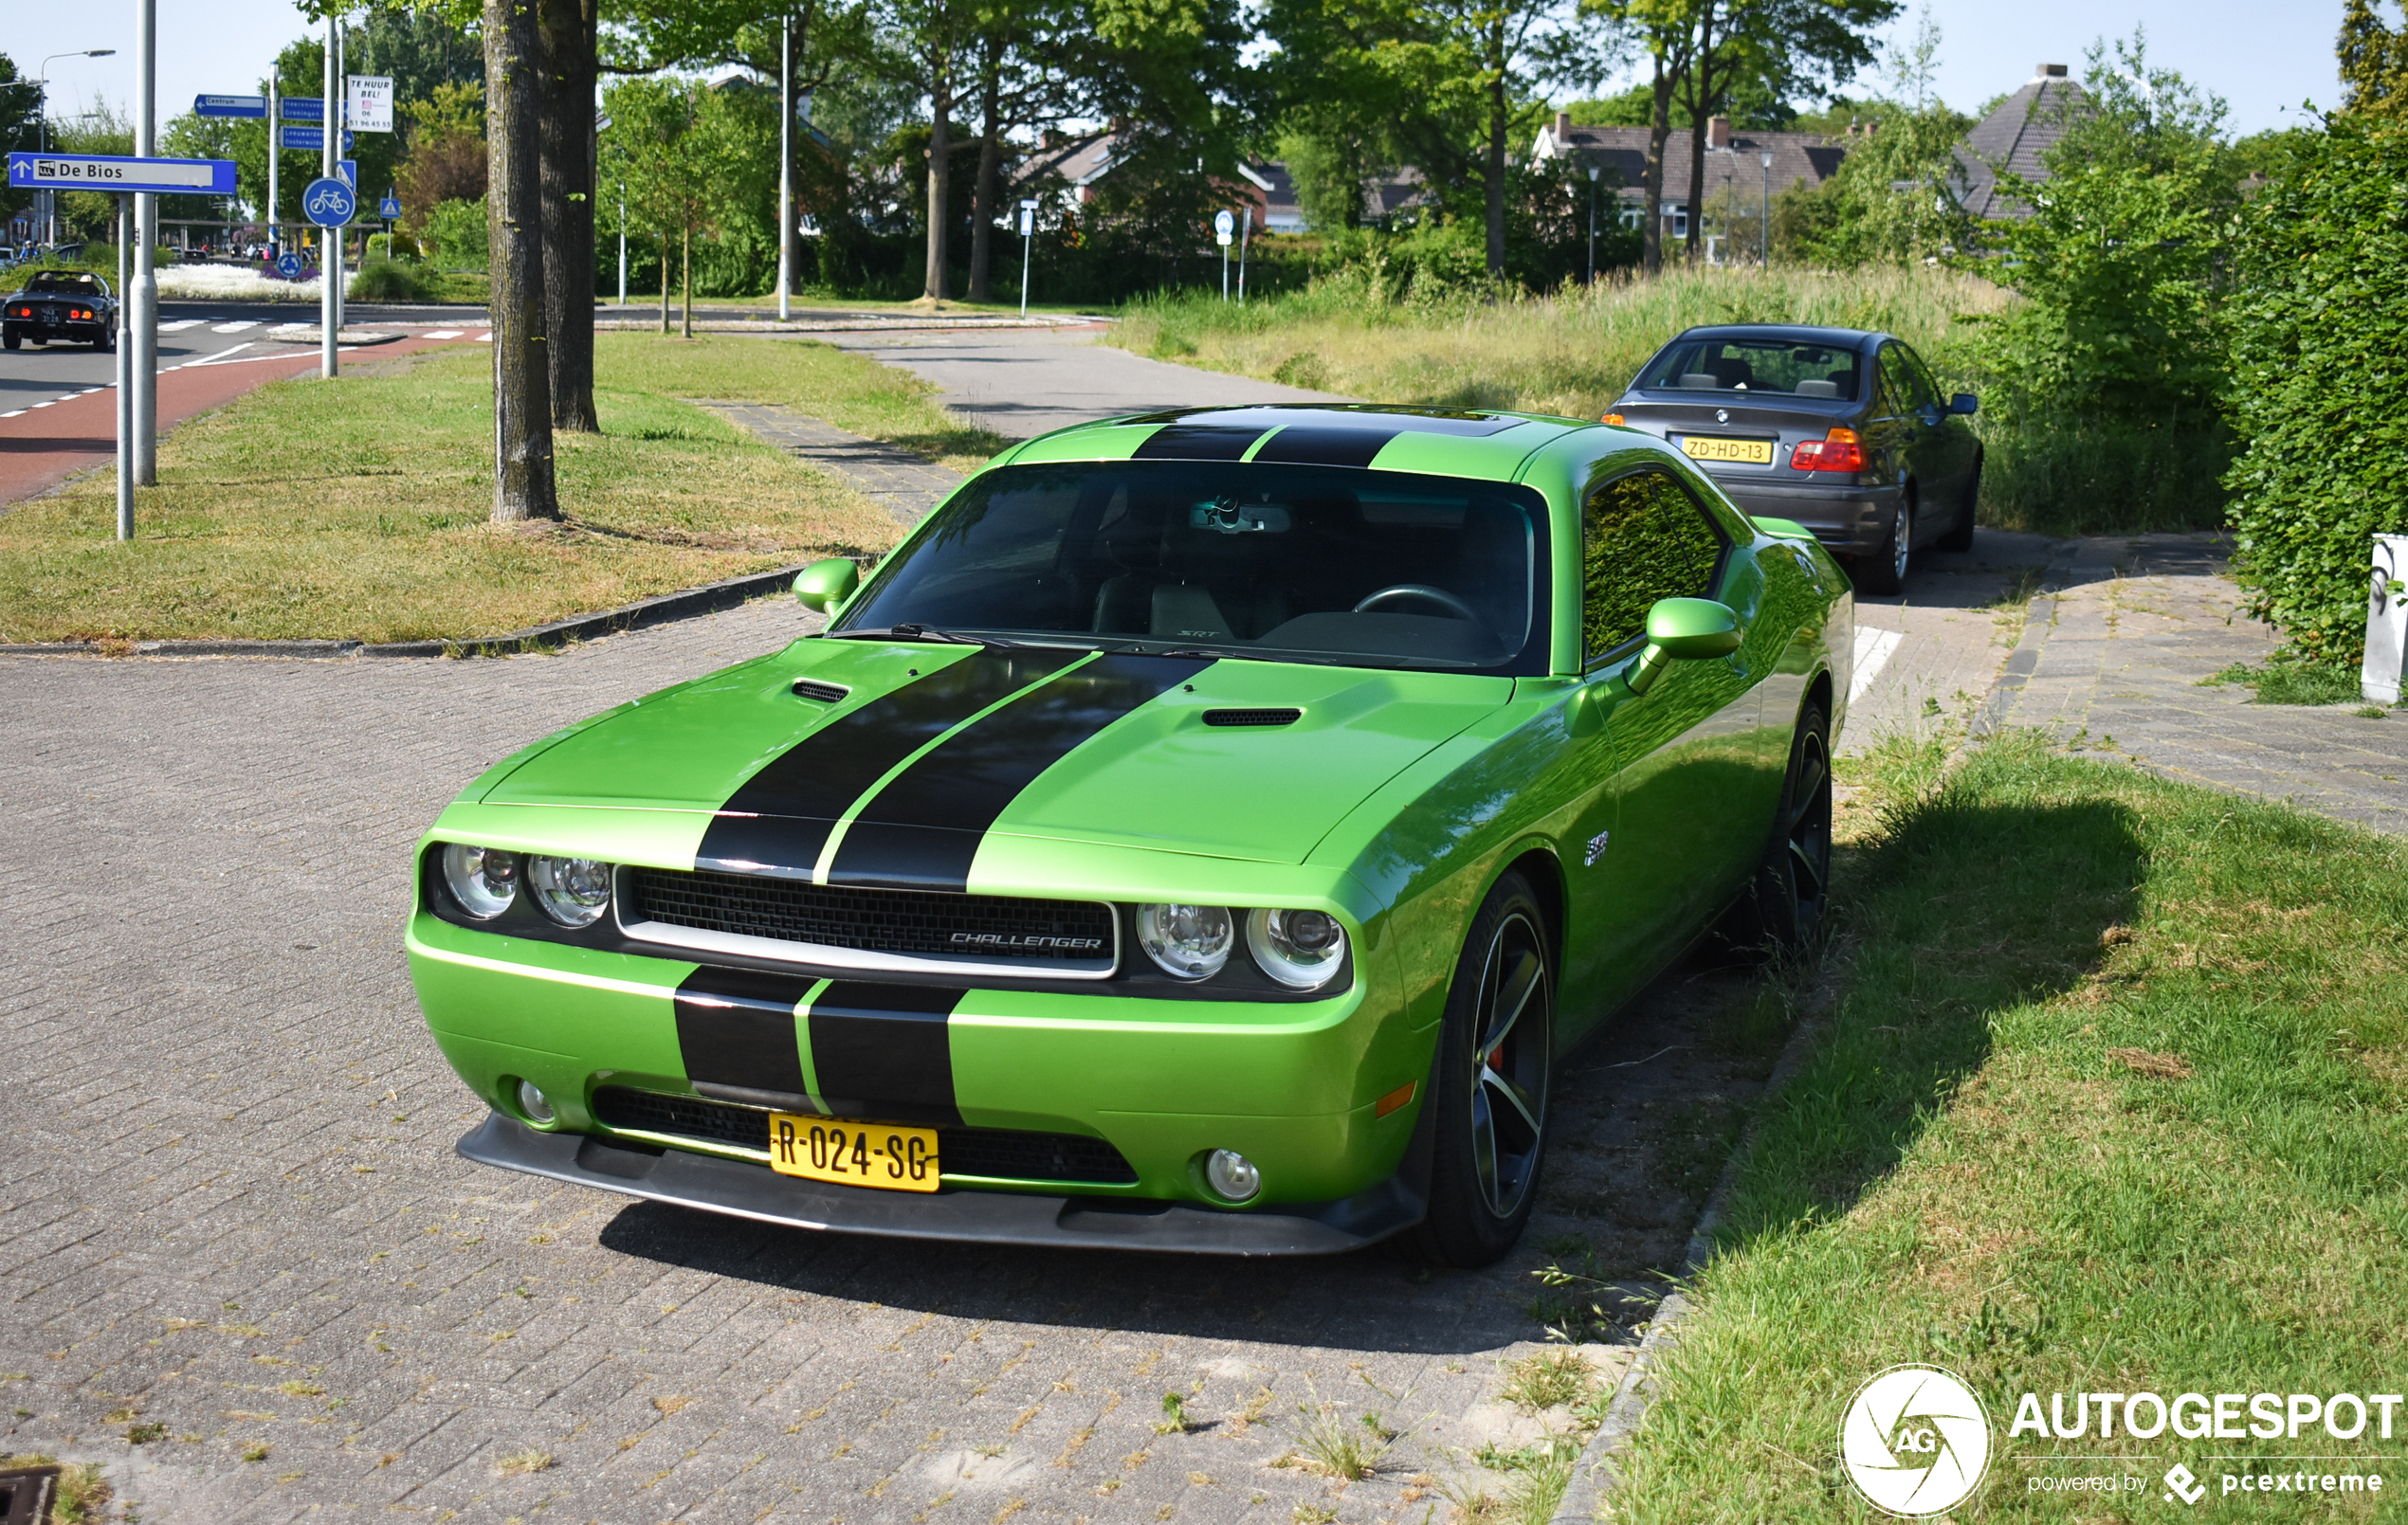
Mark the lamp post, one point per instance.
(41, 124)
(1593, 225)
(1765, 254)
(785, 170)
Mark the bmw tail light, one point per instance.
(1839, 450)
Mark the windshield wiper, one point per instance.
(924, 632)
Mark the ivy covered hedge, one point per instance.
(2319, 381)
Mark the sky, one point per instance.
(2262, 56)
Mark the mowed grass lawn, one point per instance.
(359, 509)
(2114, 1099)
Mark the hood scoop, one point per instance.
(1266, 717)
(812, 688)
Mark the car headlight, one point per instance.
(1300, 949)
(1188, 942)
(483, 881)
(572, 891)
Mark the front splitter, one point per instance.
(756, 1192)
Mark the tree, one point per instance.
(1892, 201)
(523, 485)
(932, 45)
(20, 122)
(2373, 63)
(565, 149)
(672, 144)
(445, 159)
(1667, 31)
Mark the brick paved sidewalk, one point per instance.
(906, 484)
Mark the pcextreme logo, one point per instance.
(1915, 1440)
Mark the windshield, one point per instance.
(73, 281)
(1284, 562)
(1753, 365)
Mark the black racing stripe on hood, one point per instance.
(881, 1052)
(778, 821)
(736, 1032)
(1307, 445)
(1194, 442)
(922, 831)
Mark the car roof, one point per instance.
(1479, 442)
(1783, 333)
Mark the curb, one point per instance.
(708, 599)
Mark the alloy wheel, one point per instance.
(1806, 835)
(1509, 1067)
(1902, 541)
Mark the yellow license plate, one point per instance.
(883, 1154)
(1747, 452)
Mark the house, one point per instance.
(1079, 160)
(2014, 137)
(1734, 161)
(1275, 206)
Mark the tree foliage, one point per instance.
(1892, 200)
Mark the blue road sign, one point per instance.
(349, 170)
(301, 108)
(255, 106)
(114, 171)
(389, 209)
(290, 265)
(312, 138)
(329, 202)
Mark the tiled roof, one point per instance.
(2025, 126)
(1807, 158)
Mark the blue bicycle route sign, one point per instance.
(329, 202)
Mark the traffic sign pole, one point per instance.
(1224, 229)
(124, 379)
(1027, 236)
(275, 126)
(145, 362)
(330, 272)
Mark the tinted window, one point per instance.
(1383, 569)
(1753, 365)
(1903, 378)
(76, 282)
(1643, 538)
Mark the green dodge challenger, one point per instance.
(1205, 831)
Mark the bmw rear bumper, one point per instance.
(1848, 519)
(756, 1192)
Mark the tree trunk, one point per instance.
(1702, 88)
(523, 488)
(685, 280)
(1659, 132)
(1498, 122)
(939, 184)
(568, 28)
(982, 195)
(665, 283)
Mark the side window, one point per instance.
(1902, 380)
(1643, 537)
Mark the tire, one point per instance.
(1884, 571)
(1959, 535)
(1792, 882)
(106, 343)
(12, 342)
(1496, 1059)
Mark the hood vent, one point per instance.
(1252, 717)
(824, 693)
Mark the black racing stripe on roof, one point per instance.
(882, 1052)
(736, 1029)
(1194, 442)
(778, 821)
(1310, 445)
(922, 830)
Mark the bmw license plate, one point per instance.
(1746, 452)
(890, 1157)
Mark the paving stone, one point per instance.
(906, 484)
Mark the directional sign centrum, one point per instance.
(329, 202)
(112, 171)
(229, 105)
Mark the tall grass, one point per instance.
(1362, 332)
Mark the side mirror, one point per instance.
(1684, 630)
(824, 584)
(1964, 402)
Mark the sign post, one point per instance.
(389, 212)
(124, 379)
(144, 276)
(1028, 235)
(1224, 233)
(1245, 231)
(329, 202)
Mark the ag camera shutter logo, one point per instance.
(1915, 1440)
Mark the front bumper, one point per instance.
(1849, 519)
(756, 1192)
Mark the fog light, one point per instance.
(1231, 1175)
(534, 1105)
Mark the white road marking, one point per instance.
(180, 325)
(1873, 647)
(220, 355)
(292, 328)
(45, 405)
(19, 414)
(235, 327)
(486, 337)
(454, 333)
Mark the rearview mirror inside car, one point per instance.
(1684, 630)
(824, 584)
(1964, 402)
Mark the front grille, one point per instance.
(1252, 717)
(922, 923)
(991, 1152)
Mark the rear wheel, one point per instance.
(1959, 535)
(1496, 1056)
(12, 342)
(1793, 884)
(1884, 571)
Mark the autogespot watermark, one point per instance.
(1916, 1443)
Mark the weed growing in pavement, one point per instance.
(1175, 1420)
(1329, 1443)
(1547, 1379)
(520, 1463)
(2291, 680)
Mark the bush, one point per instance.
(456, 232)
(396, 281)
(2317, 364)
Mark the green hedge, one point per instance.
(2320, 350)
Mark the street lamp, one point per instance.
(1593, 225)
(1765, 255)
(42, 139)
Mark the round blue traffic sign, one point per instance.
(329, 202)
(290, 265)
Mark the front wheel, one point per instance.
(1884, 571)
(1959, 535)
(1496, 1057)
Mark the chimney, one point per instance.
(1563, 128)
(2047, 71)
(1718, 131)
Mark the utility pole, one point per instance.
(1764, 253)
(786, 169)
(275, 132)
(124, 376)
(329, 271)
(1593, 225)
(145, 283)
